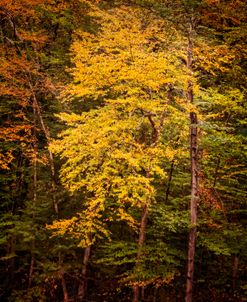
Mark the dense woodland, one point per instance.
(123, 155)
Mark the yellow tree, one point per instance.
(115, 151)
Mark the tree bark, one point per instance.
(235, 272)
(141, 241)
(169, 181)
(65, 291)
(82, 289)
(48, 138)
(30, 276)
(193, 207)
(11, 248)
(156, 130)
(194, 175)
(61, 275)
(155, 294)
(35, 147)
(46, 131)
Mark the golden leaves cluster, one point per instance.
(114, 153)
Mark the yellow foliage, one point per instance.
(125, 57)
(115, 152)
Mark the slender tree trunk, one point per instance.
(235, 272)
(155, 294)
(11, 248)
(30, 276)
(143, 293)
(82, 289)
(193, 208)
(141, 241)
(156, 130)
(61, 275)
(64, 287)
(32, 262)
(194, 177)
(53, 181)
(169, 181)
(48, 138)
(171, 171)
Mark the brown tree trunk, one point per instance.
(156, 130)
(82, 289)
(235, 272)
(35, 147)
(143, 293)
(194, 177)
(11, 248)
(155, 294)
(61, 275)
(170, 174)
(141, 241)
(48, 138)
(169, 181)
(64, 287)
(46, 131)
(31, 269)
(193, 207)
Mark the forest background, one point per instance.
(123, 150)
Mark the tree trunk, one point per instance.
(193, 208)
(140, 246)
(30, 276)
(48, 138)
(194, 177)
(155, 294)
(235, 272)
(156, 130)
(11, 248)
(143, 293)
(64, 287)
(169, 181)
(82, 290)
(63, 282)
(35, 149)
(53, 179)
